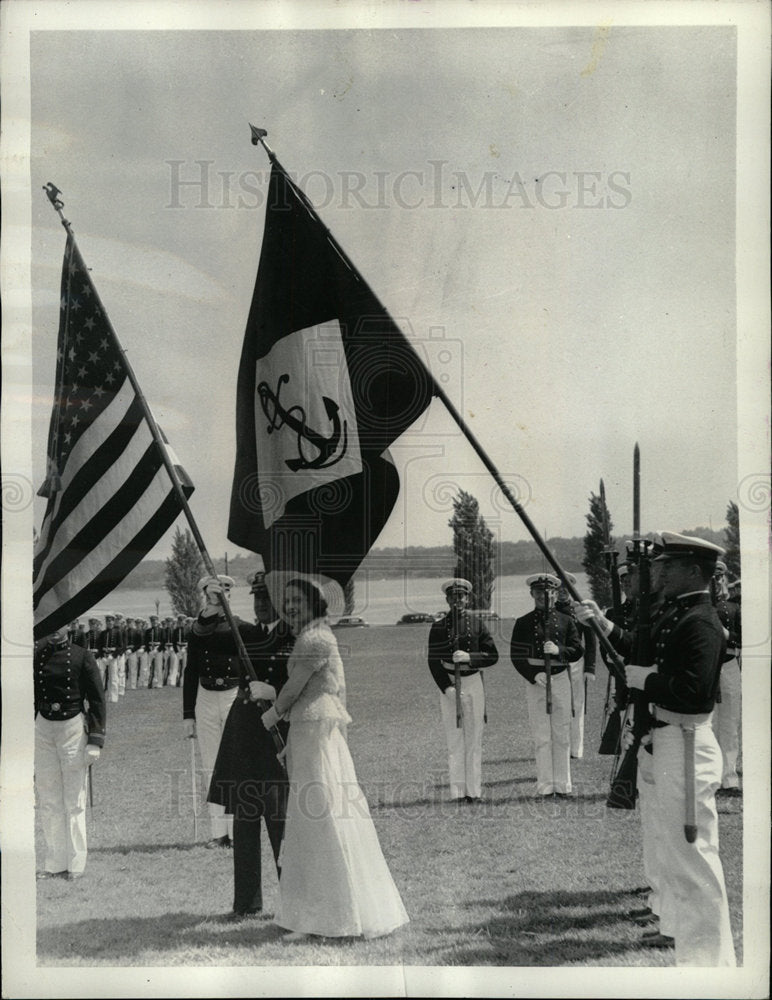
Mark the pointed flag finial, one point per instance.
(257, 134)
(53, 193)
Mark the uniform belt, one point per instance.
(666, 717)
(219, 683)
(462, 673)
(59, 706)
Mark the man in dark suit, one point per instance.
(248, 779)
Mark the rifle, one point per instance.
(455, 616)
(548, 656)
(623, 792)
(612, 723)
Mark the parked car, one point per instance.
(484, 615)
(419, 618)
(349, 622)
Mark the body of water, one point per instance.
(378, 601)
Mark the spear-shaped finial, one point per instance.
(258, 139)
(53, 193)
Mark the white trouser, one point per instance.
(157, 668)
(465, 742)
(660, 900)
(101, 662)
(551, 734)
(726, 721)
(212, 709)
(120, 662)
(577, 719)
(693, 872)
(143, 680)
(113, 678)
(172, 668)
(182, 656)
(132, 669)
(60, 781)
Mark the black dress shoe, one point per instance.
(657, 940)
(236, 916)
(218, 842)
(40, 876)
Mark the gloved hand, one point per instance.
(270, 718)
(461, 656)
(260, 691)
(189, 728)
(585, 611)
(92, 754)
(450, 692)
(551, 648)
(636, 675)
(590, 677)
(541, 679)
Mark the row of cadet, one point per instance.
(135, 652)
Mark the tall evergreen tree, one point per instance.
(473, 547)
(732, 539)
(595, 562)
(184, 569)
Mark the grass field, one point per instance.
(513, 881)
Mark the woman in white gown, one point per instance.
(334, 879)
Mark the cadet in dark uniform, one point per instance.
(111, 655)
(547, 632)
(248, 780)
(690, 645)
(209, 689)
(461, 638)
(69, 733)
(581, 671)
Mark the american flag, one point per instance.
(110, 498)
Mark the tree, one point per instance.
(184, 569)
(473, 547)
(732, 539)
(595, 562)
(348, 597)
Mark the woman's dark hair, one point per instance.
(312, 594)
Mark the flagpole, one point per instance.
(258, 138)
(53, 195)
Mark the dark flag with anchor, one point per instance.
(326, 383)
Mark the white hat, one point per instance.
(457, 584)
(542, 581)
(224, 581)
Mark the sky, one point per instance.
(549, 213)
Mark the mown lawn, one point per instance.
(513, 881)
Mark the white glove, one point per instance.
(590, 677)
(540, 679)
(636, 676)
(450, 692)
(585, 611)
(461, 656)
(270, 718)
(260, 691)
(92, 754)
(189, 728)
(726, 634)
(550, 648)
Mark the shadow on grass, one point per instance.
(546, 928)
(129, 937)
(509, 760)
(147, 848)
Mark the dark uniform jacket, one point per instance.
(469, 635)
(110, 641)
(247, 757)
(729, 615)
(587, 636)
(133, 638)
(689, 647)
(180, 634)
(68, 682)
(154, 636)
(80, 638)
(528, 638)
